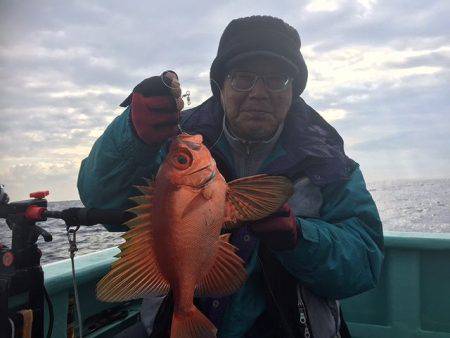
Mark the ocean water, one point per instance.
(413, 205)
(89, 239)
(405, 205)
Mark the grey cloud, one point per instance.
(25, 178)
(84, 44)
(436, 59)
(415, 94)
(408, 117)
(403, 24)
(418, 140)
(384, 165)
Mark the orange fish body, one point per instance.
(175, 242)
(187, 219)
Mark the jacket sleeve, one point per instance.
(118, 160)
(340, 254)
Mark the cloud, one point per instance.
(322, 6)
(333, 114)
(438, 59)
(416, 140)
(21, 179)
(378, 71)
(397, 23)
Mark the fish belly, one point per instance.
(187, 239)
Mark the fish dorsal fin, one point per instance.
(145, 189)
(255, 197)
(141, 199)
(144, 204)
(136, 273)
(226, 275)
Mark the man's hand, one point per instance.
(278, 231)
(155, 106)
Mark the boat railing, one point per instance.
(412, 298)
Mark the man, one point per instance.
(325, 244)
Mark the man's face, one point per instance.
(256, 114)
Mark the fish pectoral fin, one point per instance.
(255, 197)
(226, 275)
(135, 274)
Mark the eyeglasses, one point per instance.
(246, 81)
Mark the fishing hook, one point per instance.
(186, 95)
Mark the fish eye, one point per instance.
(182, 160)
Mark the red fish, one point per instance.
(175, 241)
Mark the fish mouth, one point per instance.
(209, 179)
(198, 170)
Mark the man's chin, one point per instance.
(258, 133)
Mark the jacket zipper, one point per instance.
(303, 315)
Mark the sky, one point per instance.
(379, 72)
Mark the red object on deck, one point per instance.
(34, 213)
(39, 194)
(8, 259)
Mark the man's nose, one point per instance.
(259, 90)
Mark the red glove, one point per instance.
(278, 231)
(155, 107)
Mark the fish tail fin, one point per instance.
(193, 325)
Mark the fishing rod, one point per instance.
(20, 266)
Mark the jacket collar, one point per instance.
(312, 146)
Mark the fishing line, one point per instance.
(13, 328)
(77, 299)
(187, 95)
(188, 99)
(269, 288)
(225, 113)
(71, 236)
(50, 312)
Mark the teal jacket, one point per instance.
(340, 250)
